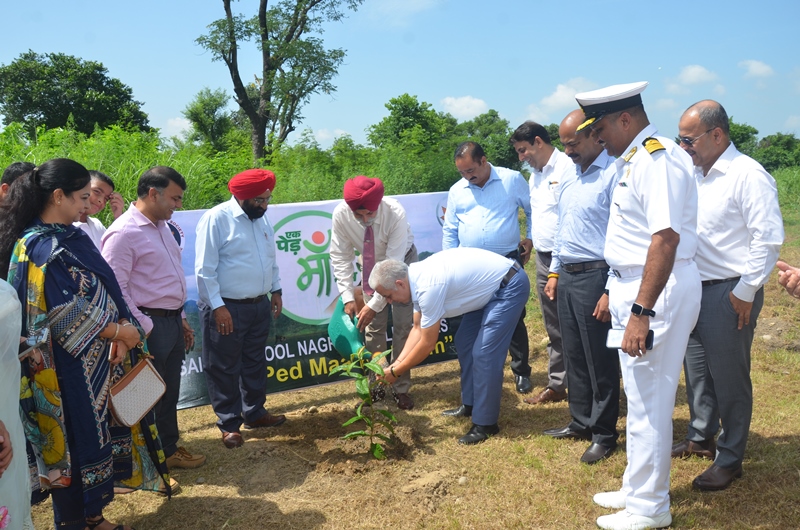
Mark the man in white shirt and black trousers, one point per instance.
(740, 231)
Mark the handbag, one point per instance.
(136, 393)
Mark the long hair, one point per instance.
(29, 195)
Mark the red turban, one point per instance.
(363, 193)
(251, 183)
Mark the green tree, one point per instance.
(778, 151)
(492, 132)
(47, 89)
(743, 136)
(294, 66)
(412, 125)
(211, 121)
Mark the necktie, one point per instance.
(368, 259)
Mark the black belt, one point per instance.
(585, 266)
(510, 274)
(255, 300)
(706, 283)
(152, 312)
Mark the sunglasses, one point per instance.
(690, 141)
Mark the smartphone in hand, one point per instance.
(614, 339)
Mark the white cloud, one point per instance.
(464, 107)
(694, 74)
(792, 123)
(676, 88)
(719, 90)
(756, 69)
(324, 136)
(176, 127)
(400, 12)
(665, 104)
(560, 100)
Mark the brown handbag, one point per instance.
(136, 393)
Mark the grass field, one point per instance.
(303, 476)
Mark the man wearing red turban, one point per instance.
(239, 287)
(376, 227)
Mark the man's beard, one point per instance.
(369, 222)
(253, 212)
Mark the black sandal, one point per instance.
(94, 523)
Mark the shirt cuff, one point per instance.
(147, 324)
(377, 303)
(348, 297)
(744, 292)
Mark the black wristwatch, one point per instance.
(278, 292)
(638, 310)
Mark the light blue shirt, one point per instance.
(487, 217)
(583, 206)
(234, 256)
(455, 281)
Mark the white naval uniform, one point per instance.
(655, 191)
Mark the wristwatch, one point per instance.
(638, 310)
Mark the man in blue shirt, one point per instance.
(239, 286)
(578, 278)
(483, 212)
(490, 291)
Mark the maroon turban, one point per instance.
(251, 183)
(363, 193)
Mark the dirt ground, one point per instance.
(302, 475)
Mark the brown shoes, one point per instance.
(548, 395)
(184, 459)
(716, 478)
(706, 449)
(232, 440)
(404, 401)
(267, 420)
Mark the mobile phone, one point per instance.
(614, 339)
(36, 340)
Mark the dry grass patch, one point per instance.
(303, 476)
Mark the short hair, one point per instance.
(474, 149)
(386, 272)
(102, 177)
(713, 115)
(15, 170)
(158, 177)
(528, 131)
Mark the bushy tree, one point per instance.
(210, 119)
(51, 89)
(743, 136)
(413, 125)
(294, 65)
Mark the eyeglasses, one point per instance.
(259, 201)
(690, 141)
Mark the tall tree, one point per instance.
(492, 132)
(412, 125)
(743, 136)
(210, 120)
(46, 89)
(293, 65)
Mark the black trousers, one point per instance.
(235, 365)
(167, 346)
(592, 369)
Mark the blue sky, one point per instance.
(524, 58)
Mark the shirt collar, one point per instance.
(602, 161)
(492, 176)
(236, 208)
(722, 163)
(551, 162)
(141, 219)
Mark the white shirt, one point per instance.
(393, 239)
(235, 257)
(739, 224)
(544, 187)
(654, 192)
(94, 229)
(455, 281)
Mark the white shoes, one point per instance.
(625, 520)
(611, 499)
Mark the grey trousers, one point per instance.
(402, 322)
(556, 372)
(168, 349)
(717, 369)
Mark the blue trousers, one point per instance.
(482, 342)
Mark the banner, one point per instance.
(298, 351)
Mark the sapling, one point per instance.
(359, 367)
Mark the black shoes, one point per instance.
(566, 432)
(464, 411)
(596, 453)
(524, 384)
(478, 434)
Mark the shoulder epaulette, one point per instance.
(652, 145)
